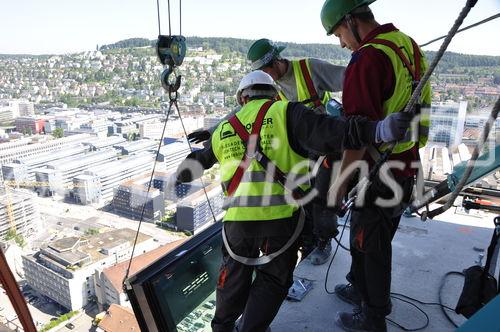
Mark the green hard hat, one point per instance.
(262, 52)
(333, 12)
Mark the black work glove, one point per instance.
(324, 221)
(199, 136)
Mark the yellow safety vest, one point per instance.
(258, 196)
(306, 93)
(404, 84)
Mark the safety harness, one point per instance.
(372, 150)
(253, 151)
(314, 97)
(310, 85)
(414, 72)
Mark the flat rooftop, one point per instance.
(74, 249)
(423, 252)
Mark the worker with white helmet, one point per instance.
(262, 151)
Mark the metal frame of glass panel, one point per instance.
(199, 258)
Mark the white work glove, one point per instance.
(393, 127)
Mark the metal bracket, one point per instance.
(299, 289)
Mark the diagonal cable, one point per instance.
(466, 28)
(191, 149)
(147, 193)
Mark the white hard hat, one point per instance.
(253, 78)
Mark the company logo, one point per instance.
(227, 131)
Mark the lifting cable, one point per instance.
(463, 29)
(170, 51)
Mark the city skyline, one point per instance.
(60, 27)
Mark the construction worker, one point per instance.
(384, 69)
(309, 81)
(261, 215)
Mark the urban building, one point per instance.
(447, 123)
(98, 127)
(135, 147)
(30, 125)
(151, 130)
(131, 125)
(18, 211)
(5, 114)
(172, 154)
(57, 176)
(194, 212)
(96, 184)
(103, 143)
(108, 281)
(174, 193)
(175, 128)
(131, 197)
(118, 319)
(23, 107)
(15, 144)
(8, 155)
(22, 171)
(13, 108)
(64, 270)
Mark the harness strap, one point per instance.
(310, 85)
(414, 72)
(251, 142)
(492, 253)
(266, 258)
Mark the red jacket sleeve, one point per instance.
(369, 81)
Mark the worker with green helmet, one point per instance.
(263, 155)
(385, 67)
(309, 81)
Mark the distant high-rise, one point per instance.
(447, 123)
(18, 211)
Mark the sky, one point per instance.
(68, 26)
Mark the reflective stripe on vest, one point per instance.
(403, 87)
(306, 92)
(257, 198)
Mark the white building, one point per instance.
(96, 184)
(64, 270)
(58, 176)
(447, 123)
(151, 130)
(108, 280)
(8, 155)
(173, 154)
(18, 211)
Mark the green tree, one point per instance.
(91, 231)
(58, 133)
(11, 233)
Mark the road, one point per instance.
(61, 219)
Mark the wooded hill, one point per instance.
(323, 51)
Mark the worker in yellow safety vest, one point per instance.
(262, 151)
(385, 67)
(309, 81)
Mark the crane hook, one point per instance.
(171, 51)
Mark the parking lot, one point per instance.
(41, 308)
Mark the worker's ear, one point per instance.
(244, 99)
